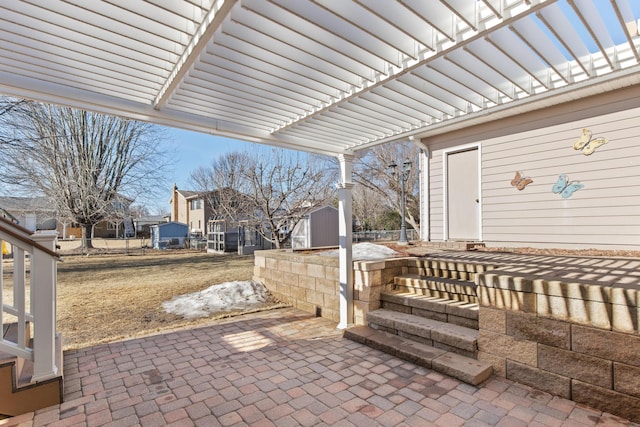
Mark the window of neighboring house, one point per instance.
(199, 226)
(196, 204)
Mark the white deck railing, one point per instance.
(34, 297)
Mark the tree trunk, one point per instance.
(87, 234)
(277, 242)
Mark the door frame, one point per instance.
(445, 197)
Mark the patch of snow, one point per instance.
(225, 296)
(365, 251)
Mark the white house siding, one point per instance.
(604, 214)
(436, 201)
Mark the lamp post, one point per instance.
(402, 175)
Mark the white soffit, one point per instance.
(332, 76)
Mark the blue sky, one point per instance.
(194, 149)
(189, 150)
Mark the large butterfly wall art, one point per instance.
(588, 144)
(520, 181)
(566, 188)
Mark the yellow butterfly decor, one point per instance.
(588, 144)
(520, 181)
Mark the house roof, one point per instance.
(333, 77)
(188, 194)
(150, 219)
(26, 204)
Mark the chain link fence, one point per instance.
(382, 235)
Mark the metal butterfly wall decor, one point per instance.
(520, 181)
(588, 144)
(566, 188)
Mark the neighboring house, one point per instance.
(118, 225)
(318, 228)
(191, 208)
(32, 213)
(563, 177)
(37, 213)
(196, 210)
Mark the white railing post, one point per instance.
(19, 281)
(43, 295)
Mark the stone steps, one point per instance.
(446, 310)
(463, 368)
(454, 338)
(429, 316)
(439, 287)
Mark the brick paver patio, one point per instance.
(283, 368)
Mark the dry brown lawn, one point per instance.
(105, 298)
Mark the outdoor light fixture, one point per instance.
(401, 175)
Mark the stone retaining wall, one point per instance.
(311, 282)
(579, 340)
(575, 340)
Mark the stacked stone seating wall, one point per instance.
(311, 282)
(575, 339)
(578, 340)
(440, 288)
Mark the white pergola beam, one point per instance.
(330, 76)
(212, 20)
(596, 27)
(628, 23)
(320, 35)
(347, 32)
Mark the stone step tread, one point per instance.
(446, 333)
(463, 368)
(436, 304)
(443, 284)
(410, 276)
(444, 263)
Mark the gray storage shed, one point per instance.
(319, 228)
(170, 235)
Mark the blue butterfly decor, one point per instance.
(566, 188)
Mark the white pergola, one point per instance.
(328, 76)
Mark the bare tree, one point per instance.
(270, 188)
(85, 163)
(223, 184)
(372, 172)
(367, 209)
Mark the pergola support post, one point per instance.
(345, 227)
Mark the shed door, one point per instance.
(463, 200)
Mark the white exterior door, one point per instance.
(462, 194)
